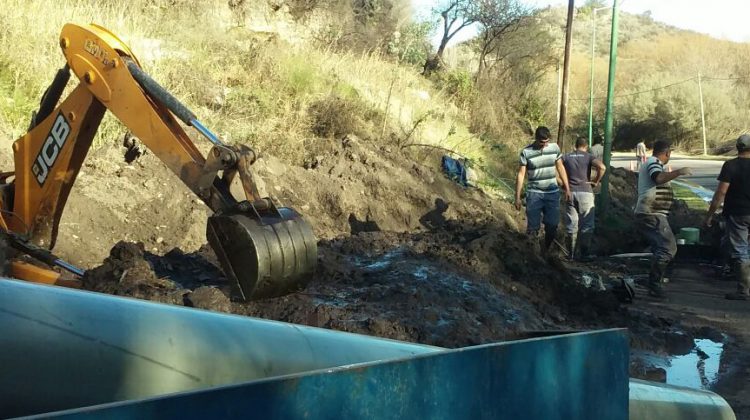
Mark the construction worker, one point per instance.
(597, 150)
(579, 213)
(734, 192)
(542, 162)
(651, 210)
(640, 155)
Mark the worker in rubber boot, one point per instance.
(654, 201)
(579, 212)
(734, 192)
(541, 163)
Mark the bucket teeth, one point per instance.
(264, 258)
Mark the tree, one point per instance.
(511, 93)
(590, 5)
(455, 15)
(496, 18)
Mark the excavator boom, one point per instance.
(264, 250)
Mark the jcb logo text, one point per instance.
(51, 149)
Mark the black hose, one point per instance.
(162, 95)
(51, 96)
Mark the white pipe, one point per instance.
(63, 348)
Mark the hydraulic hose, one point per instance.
(153, 88)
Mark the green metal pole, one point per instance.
(591, 83)
(610, 110)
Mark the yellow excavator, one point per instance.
(265, 250)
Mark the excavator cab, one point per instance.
(265, 250)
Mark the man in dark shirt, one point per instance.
(579, 212)
(734, 192)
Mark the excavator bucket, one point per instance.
(263, 254)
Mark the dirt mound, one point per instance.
(454, 286)
(139, 202)
(615, 228)
(353, 186)
(348, 186)
(405, 253)
(126, 273)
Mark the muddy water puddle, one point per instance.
(697, 369)
(426, 295)
(397, 264)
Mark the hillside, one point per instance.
(656, 84)
(273, 75)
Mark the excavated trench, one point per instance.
(404, 254)
(420, 288)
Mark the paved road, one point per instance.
(704, 171)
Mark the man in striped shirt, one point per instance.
(542, 162)
(651, 210)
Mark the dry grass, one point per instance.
(248, 86)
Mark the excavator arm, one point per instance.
(264, 250)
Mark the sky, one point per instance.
(723, 19)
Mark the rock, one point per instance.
(209, 298)
(313, 163)
(711, 333)
(655, 374)
(349, 140)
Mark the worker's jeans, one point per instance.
(737, 230)
(655, 227)
(579, 213)
(542, 206)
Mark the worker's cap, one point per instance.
(743, 142)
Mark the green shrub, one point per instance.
(335, 116)
(532, 112)
(459, 85)
(411, 45)
(301, 75)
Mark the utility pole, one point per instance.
(566, 71)
(559, 90)
(703, 115)
(610, 110)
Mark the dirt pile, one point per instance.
(347, 186)
(127, 273)
(615, 228)
(405, 253)
(113, 201)
(351, 185)
(400, 243)
(444, 287)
